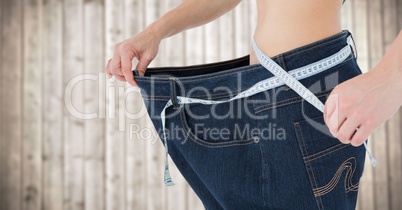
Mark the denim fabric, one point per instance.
(260, 152)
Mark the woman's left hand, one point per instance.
(364, 102)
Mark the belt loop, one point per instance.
(282, 63)
(173, 96)
(350, 39)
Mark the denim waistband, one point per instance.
(181, 81)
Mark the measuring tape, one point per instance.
(281, 78)
(299, 88)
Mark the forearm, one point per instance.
(189, 14)
(393, 58)
(389, 70)
(398, 57)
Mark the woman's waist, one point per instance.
(274, 42)
(284, 25)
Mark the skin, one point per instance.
(364, 102)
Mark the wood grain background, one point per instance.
(50, 159)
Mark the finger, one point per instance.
(115, 67)
(115, 64)
(347, 130)
(361, 135)
(121, 78)
(330, 104)
(126, 64)
(141, 72)
(109, 75)
(335, 121)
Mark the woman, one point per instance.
(308, 170)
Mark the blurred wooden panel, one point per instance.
(252, 16)
(52, 159)
(32, 111)
(226, 37)
(115, 139)
(52, 109)
(94, 98)
(394, 184)
(347, 15)
(2, 114)
(73, 126)
(242, 32)
(359, 29)
(11, 84)
(211, 37)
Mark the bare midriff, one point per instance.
(284, 25)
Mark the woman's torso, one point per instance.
(284, 25)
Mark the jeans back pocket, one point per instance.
(334, 169)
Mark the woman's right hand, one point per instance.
(143, 46)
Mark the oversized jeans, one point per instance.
(265, 151)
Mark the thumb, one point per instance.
(143, 65)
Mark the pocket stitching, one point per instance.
(318, 192)
(308, 166)
(325, 152)
(348, 185)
